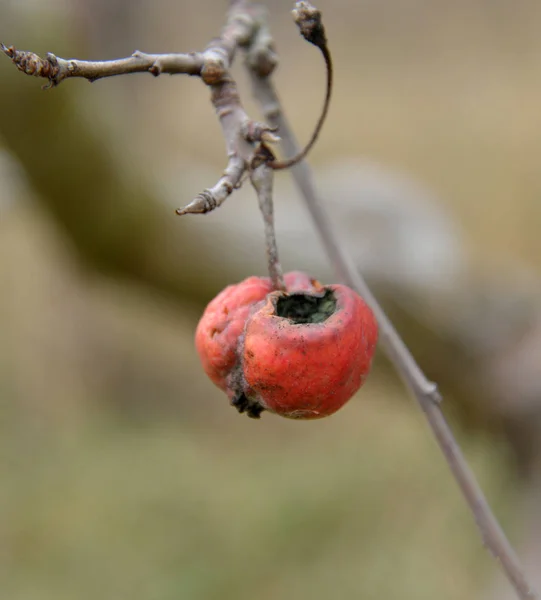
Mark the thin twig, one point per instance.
(308, 19)
(56, 69)
(213, 197)
(262, 177)
(425, 391)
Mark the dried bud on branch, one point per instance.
(32, 64)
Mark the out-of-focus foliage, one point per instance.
(197, 509)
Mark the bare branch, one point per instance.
(425, 391)
(211, 65)
(262, 179)
(56, 69)
(211, 198)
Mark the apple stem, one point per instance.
(262, 179)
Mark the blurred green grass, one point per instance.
(360, 505)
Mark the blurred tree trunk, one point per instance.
(108, 211)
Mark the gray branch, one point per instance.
(56, 69)
(211, 198)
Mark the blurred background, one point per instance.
(123, 471)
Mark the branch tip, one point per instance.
(31, 63)
(201, 204)
(308, 20)
(211, 198)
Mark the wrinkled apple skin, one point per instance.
(267, 362)
(222, 324)
(309, 371)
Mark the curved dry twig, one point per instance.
(308, 19)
